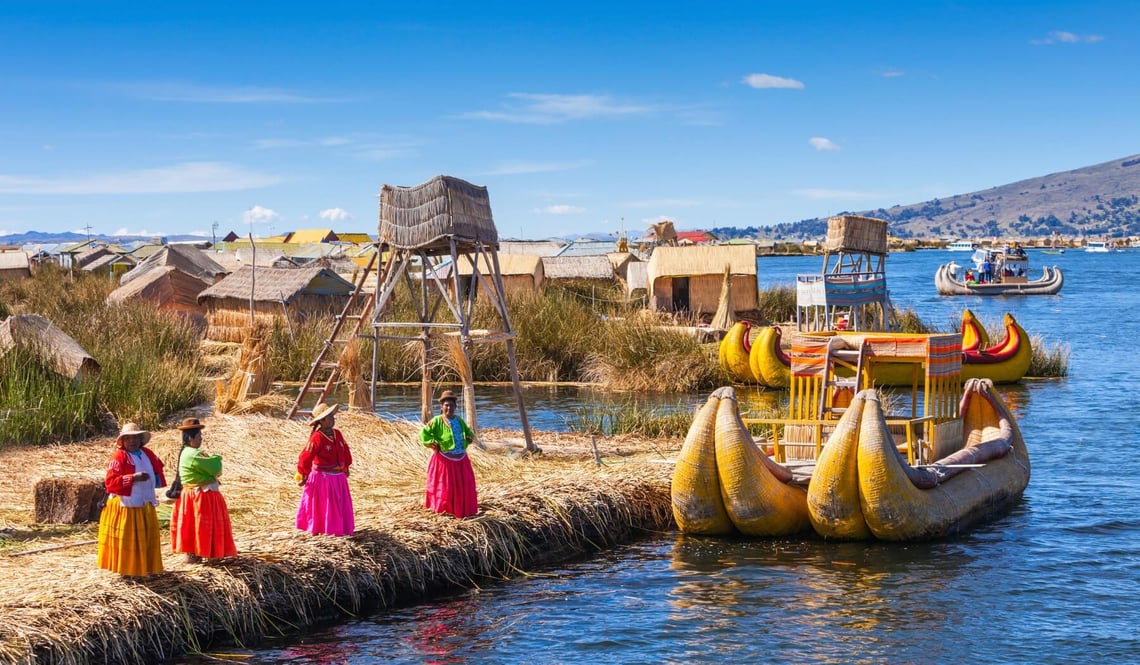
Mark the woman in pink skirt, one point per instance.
(450, 478)
(322, 470)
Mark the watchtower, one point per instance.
(851, 291)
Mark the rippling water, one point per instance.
(1053, 581)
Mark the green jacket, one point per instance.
(198, 469)
(437, 431)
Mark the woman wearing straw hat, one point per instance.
(200, 522)
(128, 526)
(450, 478)
(322, 469)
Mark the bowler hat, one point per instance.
(447, 395)
(191, 423)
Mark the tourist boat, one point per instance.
(1099, 246)
(1009, 275)
(945, 458)
(962, 246)
(769, 365)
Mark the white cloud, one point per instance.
(820, 143)
(1065, 37)
(335, 214)
(124, 231)
(763, 81)
(180, 178)
(519, 168)
(663, 203)
(893, 74)
(259, 215)
(837, 194)
(560, 210)
(176, 91)
(549, 109)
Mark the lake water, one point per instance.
(1054, 581)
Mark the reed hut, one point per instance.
(691, 278)
(297, 294)
(187, 259)
(14, 265)
(55, 348)
(169, 290)
(583, 269)
(521, 274)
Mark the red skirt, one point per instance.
(451, 486)
(200, 524)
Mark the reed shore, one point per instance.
(58, 607)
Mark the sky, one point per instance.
(168, 118)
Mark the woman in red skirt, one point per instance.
(200, 522)
(450, 478)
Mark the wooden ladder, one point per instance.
(325, 371)
(850, 358)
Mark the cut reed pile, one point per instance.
(57, 607)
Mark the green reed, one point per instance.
(628, 418)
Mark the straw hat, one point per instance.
(447, 395)
(322, 410)
(129, 429)
(191, 423)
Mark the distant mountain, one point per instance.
(47, 238)
(1100, 200)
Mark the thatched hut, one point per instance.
(521, 274)
(168, 289)
(271, 293)
(14, 265)
(187, 259)
(55, 348)
(690, 278)
(582, 269)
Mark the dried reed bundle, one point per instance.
(249, 378)
(359, 394)
(724, 317)
(57, 607)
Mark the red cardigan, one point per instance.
(324, 453)
(121, 471)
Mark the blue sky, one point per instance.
(164, 118)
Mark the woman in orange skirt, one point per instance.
(128, 526)
(200, 522)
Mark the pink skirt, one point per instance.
(200, 524)
(326, 505)
(451, 486)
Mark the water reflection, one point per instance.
(448, 634)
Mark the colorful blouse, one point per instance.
(324, 453)
(197, 467)
(451, 437)
(121, 470)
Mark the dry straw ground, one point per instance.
(57, 607)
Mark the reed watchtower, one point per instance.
(851, 291)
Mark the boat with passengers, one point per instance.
(997, 272)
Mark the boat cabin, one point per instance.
(1006, 266)
(829, 368)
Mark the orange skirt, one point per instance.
(200, 524)
(129, 539)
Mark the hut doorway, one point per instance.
(680, 294)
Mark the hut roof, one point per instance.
(13, 261)
(106, 261)
(588, 247)
(509, 264)
(422, 216)
(636, 276)
(306, 236)
(356, 238)
(162, 285)
(531, 247)
(55, 347)
(88, 254)
(186, 258)
(277, 284)
(701, 260)
(577, 267)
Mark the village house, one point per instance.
(690, 278)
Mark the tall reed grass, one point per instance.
(630, 419)
(150, 361)
(777, 304)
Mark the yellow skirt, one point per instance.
(129, 539)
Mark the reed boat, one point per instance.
(1004, 362)
(734, 352)
(1008, 275)
(862, 487)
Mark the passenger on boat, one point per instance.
(450, 478)
(128, 526)
(987, 270)
(969, 277)
(322, 469)
(200, 522)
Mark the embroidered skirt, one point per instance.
(129, 539)
(326, 505)
(451, 486)
(200, 524)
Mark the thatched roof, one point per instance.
(577, 267)
(278, 284)
(53, 346)
(86, 256)
(701, 260)
(13, 261)
(509, 264)
(531, 247)
(186, 258)
(162, 286)
(636, 276)
(425, 216)
(105, 261)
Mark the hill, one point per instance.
(1099, 200)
